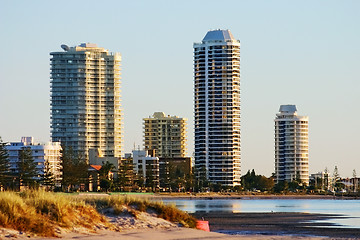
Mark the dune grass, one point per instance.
(137, 204)
(41, 212)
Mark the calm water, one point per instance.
(348, 208)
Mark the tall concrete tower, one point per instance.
(291, 145)
(85, 99)
(217, 107)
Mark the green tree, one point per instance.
(48, 178)
(281, 186)
(293, 185)
(126, 175)
(251, 181)
(105, 170)
(4, 165)
(74, 170)
(337, 185)
(26, 167)
(106, 181)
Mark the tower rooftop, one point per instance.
(218, 35)
(288, 108)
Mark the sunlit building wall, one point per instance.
(217, 107)
(291, 145)
(85, 99)
(166, 135)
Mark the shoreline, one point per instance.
(211, 196)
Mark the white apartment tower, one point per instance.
(291, 145)
(217, 107)
(85, 99)
(165, 134)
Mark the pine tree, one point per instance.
(355, 180)
(4, 165)
(48, 179)
(26, 166)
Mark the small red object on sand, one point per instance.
(203, 225)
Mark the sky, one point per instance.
(305, 53)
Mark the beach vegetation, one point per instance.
(251, 181)
(41, 212)
(120, 203)
(44, 213)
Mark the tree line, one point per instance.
(75, 177)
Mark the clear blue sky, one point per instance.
(292, 52)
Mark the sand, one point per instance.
(146, 226)
(175, 234)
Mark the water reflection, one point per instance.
(192, 206)
(349, 208)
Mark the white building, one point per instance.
(217, 107)
(321, 180)
(85, 99)
(145, 164)
(291, 145)
(50, 152)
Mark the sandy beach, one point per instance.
(175, 234)
(258, 226)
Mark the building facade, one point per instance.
(217, 107)
(165, 134)
(85, 99)
(291, 145)
(46, 156)
(172, 170)
(146, 166)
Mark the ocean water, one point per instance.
(348, 208)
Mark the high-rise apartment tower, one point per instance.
(166, 135)
(217, 107)
(85, 99)
(291, 145)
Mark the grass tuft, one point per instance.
(167, 212)
(40, 212)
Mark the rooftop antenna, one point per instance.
(65, 47)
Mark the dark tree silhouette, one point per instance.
(4, 165)
(26, 168)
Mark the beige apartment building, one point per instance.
(85, 99)
(165, 134)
